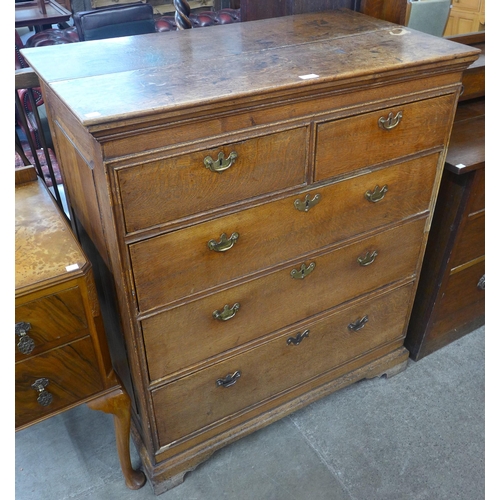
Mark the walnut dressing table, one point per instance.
(256, 199)
(62, 358)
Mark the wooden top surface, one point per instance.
(466, 150)
(124, 78)
(46, 249)
(30, 15)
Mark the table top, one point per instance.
(31, 15)
(133, 77)
(46, 249)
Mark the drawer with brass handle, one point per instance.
(55, 379)
(382, 135)
(186, 336)
(164, 190)
(178, 264)
(261, 373)
(49, 321)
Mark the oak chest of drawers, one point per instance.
(257, 197)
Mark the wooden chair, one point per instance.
(110, 22)
(428, 16)
(32, 138)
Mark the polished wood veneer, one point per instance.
(246, 293)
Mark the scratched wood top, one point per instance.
(124, 78)
(45, 245)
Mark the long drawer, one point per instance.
(291, 359)
(165, 190)
(185, 335)
(71, 373)
(359, 141)
(47, 322)
(181, 263)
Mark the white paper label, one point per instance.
(309, 77)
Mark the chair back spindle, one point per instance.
(182, 11)
(31, 143)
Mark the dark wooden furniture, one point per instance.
(62, 358)
(249, 218)
(251, 10)
(40, 13)
(388, 10)
(450, 301)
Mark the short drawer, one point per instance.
(359, 141)
(178, 264)
(472, 241)
(71, 373)
(183, 336)
(47, 322)
(165, 190)
(284, 363)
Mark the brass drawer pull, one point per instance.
(224, 244)
(227, 312)
(228, 380)
(481, 282)
(26, 344)
(221, 163)
(303, 271)
(369, 258)
(358, 324)
(307, 204)
(44, 397)
(391, 121)
(298, 338)
(377, 194)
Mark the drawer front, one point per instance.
(176, 187)
(472, 241)
(278, 365)
(181, 337)
(461, 301)
(53, 320)
(178, 264)
(72, 375)
(423, 125)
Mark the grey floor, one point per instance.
(417, 436)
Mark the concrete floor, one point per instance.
(417, 436)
